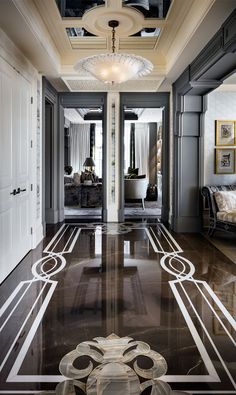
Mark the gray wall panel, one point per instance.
(190, 124)
(192, 103)
(50, 156)
(204, 74)
(189, 178)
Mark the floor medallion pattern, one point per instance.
(113, 374)
(132, 279)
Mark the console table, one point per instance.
(91, 195)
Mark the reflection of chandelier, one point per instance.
(115, 67)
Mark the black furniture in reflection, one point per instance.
(72, 192)
(215, 223)
(91, 195)
(82, 195)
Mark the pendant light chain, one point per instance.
(113, 40)
(113, 24)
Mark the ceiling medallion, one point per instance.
(114, 68)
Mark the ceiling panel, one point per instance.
(139, 43)
(88, 43)
(93, 85)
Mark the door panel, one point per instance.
(6, 170)
(7, 252)
(22, 152)
(15, 215)
(7, 257)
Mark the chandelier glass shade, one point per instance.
(114, 68)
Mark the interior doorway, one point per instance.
(145, 156)
(83, 163)
(48, 160)
(142, 162)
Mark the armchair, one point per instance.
(136, 188)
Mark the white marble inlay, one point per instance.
(113, 375)
(178, 266)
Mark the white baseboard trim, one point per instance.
(37, 235)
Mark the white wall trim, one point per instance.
(15, 58)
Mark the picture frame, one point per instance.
(225, 132)
(224, 160)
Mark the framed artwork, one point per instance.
(224, 160)
(225, 132)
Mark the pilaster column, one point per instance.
(187, 216)
(112, 155)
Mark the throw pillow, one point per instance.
(131, 175)
(68, 180)
(133, 171)
(141, 176)
(226, 200)
(76, 178)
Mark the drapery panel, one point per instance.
(80, 145)
(127, 147)
(142, 148)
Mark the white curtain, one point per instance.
(80, 145)
(127, 147)
(142, 148)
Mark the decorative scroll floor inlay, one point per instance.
(129, 278)
(113, 375)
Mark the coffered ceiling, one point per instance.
(54, 43)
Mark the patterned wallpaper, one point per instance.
(221, 105)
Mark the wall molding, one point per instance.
(15, 58)
(50, 214)
(214, 63)
(83, 100)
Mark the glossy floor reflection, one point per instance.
(175, 292)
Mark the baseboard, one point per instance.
(61, 215)
(51, 216)
(37, 235)
(112, 213)
(186, 224)
(164, 215)
(104, 215)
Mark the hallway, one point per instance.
(175, 292)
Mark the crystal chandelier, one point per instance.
(114, 68)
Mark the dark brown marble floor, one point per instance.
(176, 292)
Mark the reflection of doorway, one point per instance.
(83, 162)
(49, 197)
(142, 162)
(159, 172)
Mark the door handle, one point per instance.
(17, 191)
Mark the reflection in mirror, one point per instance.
(142, 162)
(83, 142)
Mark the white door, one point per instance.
(7, 252)
(21, 144)
(15, 237)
